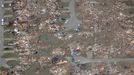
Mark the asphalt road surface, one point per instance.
(72, 21)
(82, 60)
(2, 61)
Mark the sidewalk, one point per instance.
(2, 62)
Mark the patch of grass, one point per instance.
(2, 68)
(9, 39)
(130, 10)
(46, 52)
(8, 35)
(7, 19)
(9, 55)
(13, 63)
(7, 42)
(36, 67)
(33, 68)
(65, 4)
(8, 12)
(78, 16)
(9, 51)
(44, 36)
(8, 16)
(8, 27)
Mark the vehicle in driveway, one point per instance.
(2, 5)
(2, 21)
(66, 21)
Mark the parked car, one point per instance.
(66, 21)
(2, 21)
(10, 4)
(2, 5)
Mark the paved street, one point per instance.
(2, 62)
(82, 60)
(73, 21)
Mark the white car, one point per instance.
(66, 21)
(2, 21)
(2, 5)
(10, 4)
(78, 25)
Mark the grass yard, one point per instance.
(7, 42)
(9, 55)
(8, 12)
(8, 35)
(13, 63)
(36, 67)
(6, 27)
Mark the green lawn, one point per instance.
(130, 10)
(65, 4)
(9, 55)
(8, 8)
(7, 42)
(8, 59)
(8, 12)
(9, 39)
(13, 63)
(33, 68)
(8, 27)
(2, 68)
(8, 35)
(8, 1)
(36, 67)
(7, 18)
(78, 16)
(8, 51)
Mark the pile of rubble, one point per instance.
(109, 25)
(31, 18)
(108, 69)
(62, 69)
(21, 24)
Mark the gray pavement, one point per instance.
(73, 21)
(83, 60)
(2, 61)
